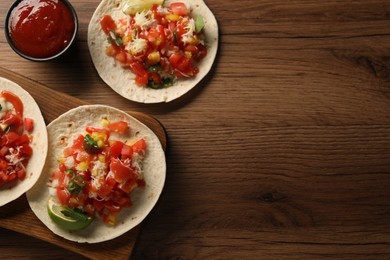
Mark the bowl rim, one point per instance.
(31, 58)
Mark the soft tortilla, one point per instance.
(39, 144)
(122, 80)
(67, 127)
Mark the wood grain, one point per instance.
(16, 214)
(282, 152)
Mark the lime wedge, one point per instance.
(131, 7)
(68, 218)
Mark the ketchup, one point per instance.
(41, 28)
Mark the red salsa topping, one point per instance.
(159, 45)
(41, 28)
(97, 173)
(15, 149)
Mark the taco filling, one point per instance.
(160, 44)
(97, 173)
(15, 139)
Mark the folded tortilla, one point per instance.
(121, 80)
(62, 131)
(12, 191)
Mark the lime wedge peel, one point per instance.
(56, 213)
(131, 7)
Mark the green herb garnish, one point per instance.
(76, 214)
(114, 37)
(167, 82)
(199, 23)
(90, 145)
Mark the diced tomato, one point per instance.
(116, 149)
(90, 130)
(9, 138)
(107, 187)
(15, 100)
(3, 165)
(121, 57)
(138, 68)
(155, 77)
(83, 156)
(26, 149)
(86, 175)
(202, 52)
(28, 124)
(142, 80)
(174, 59)
(128, 185)
(141, 183)
(12, 176)
(121, 198)
(68, 151)
(12, 119)
(3, 151)
(156, 36)
(24, 139)
(3, 177)
(118, 127)
(63, 168)
(184, 64)
(60, 177)
(191, 48)
(156, 15)
(111, 51)
(107, 24)
(178, 8)
(126, 152)
(63, 195)
(78, 142)
(138, 146)
(120, 171)
(21, 173)
(112, 206)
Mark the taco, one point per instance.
(104, 174)
(23, 141)
(152, 51)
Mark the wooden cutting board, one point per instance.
(17, 215)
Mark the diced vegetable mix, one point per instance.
(97, 173)
(15, 148)
(158, 44)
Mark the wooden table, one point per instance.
(282, 153)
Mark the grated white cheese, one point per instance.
(55, 183)
(137, 46)
(98, 172)
(137, 162)
(69, 162)
(189, 35)
(144, 19)
(12, 156)
(162, 10)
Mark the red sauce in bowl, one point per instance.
(41, 28)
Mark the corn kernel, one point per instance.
(111, 219)
(83, 166)
(154, 57)
(100, 143)
(172, 17)
(105, 122)
(102, 158)
(188, 54)
(99, 136)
